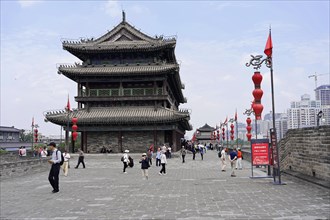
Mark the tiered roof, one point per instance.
(124, 37)
(112, 70)
(127, 115)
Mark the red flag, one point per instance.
(193, 138)
(68, 108)
(236, 115)
(269, 46)
(225, 120)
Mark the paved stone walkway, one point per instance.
(194, 190)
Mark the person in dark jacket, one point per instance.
(144, 165)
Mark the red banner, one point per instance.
(260, 153)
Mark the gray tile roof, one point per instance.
(120, 115)
(109, 41)
(119, 46)
(117, 70)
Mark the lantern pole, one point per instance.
(256, 62)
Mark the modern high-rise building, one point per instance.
(281, 124)
(303, 113)
(322, 93)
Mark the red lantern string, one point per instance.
(257, 94)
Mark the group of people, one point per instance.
(235, 158)
(146, 161)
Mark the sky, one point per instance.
(215, 39)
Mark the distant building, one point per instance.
(10, 139)
(203, 134)
(322, 94)
(303, 113)
(281, 125)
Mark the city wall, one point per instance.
(305, 151)
(12, 166)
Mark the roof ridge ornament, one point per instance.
(124, 16)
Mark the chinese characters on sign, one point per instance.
(260, 152)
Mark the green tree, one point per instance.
(25, 136)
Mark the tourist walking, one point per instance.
(149, 156)
(202, 151)
(125, 160)
(223, 159)
(144, 165)
(183, 153)
(232, 159)
(65, 165)
(193, 150)
(54, 172)
(169, 152)
(163, 162)
(81, 159)
(158, 154)
(239, 159)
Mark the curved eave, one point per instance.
(120, 116)
(76, 48)
(71, 71)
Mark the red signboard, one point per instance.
(260, 153)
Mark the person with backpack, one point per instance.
(125, 160)
(54, 172)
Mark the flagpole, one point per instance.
(256, 62)
(236, 135)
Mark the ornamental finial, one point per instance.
(124, 16)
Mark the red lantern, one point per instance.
(74, 127)
(74, 135)
(35, 135)
(257, 108)
(74, 120)
(248, 135)
(248, 128)
(257, 78)
(257, 94)
(232, 137)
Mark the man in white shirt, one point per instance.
(55, 169)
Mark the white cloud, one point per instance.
(113, 9)
(28, 3)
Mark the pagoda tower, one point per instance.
(129, 92)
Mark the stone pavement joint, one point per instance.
(192, 190)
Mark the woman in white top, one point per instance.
(43, 152)
(163, 162)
